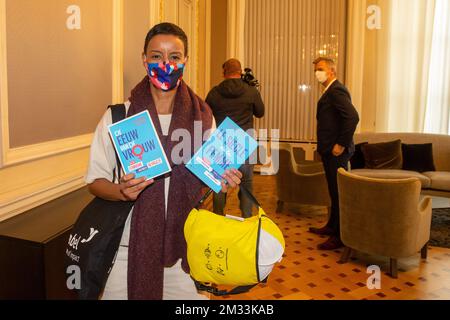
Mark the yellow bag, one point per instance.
(225, 250)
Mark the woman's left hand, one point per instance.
(233, 178)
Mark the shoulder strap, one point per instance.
(118, 112)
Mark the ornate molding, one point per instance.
(4, 130)
(117, 51)
(44, 150)
(23, 203)
(155, 13)
(207, 75)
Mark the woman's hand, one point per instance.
(233, 179)
(131, 188)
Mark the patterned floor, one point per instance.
(306, 273)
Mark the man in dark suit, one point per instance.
(337, 119)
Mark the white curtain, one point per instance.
(438, 100)
(409, 60)
(401, 73)
(419, 69)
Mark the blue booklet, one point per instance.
(227, 148)
(138, 146)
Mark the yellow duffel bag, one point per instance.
(227, 250)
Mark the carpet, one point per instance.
(440, 228)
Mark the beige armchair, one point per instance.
(383, 217)
(302, 182)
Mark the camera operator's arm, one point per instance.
(258, 105)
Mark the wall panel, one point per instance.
(59, 68)
(44, 161)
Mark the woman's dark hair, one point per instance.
(167, 28)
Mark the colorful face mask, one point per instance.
(165, 76)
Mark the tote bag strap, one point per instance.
(243, 189)
(118, 112)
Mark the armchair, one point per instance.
(303, 182)
(384, 217)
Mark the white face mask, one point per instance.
(321, 76)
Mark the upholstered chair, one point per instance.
(300, 181)
(383, 217)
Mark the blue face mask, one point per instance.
(166, 77)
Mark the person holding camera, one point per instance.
(238, 98)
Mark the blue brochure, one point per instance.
(227, 148)
(138, 146)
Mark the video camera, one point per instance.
(249, 78)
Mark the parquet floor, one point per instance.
(306, 273)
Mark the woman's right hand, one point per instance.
(131, 188)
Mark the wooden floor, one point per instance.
(306, 273)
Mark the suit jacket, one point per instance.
(337, 119)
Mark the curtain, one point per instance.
(438, 93)
(410, 57)
(355, 51)
(282, 38)
(405, 66)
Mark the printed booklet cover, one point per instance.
(227, 148)
(138, 146)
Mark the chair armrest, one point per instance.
(309, 188)
(425, 206)
(309, 169)
(425, 212)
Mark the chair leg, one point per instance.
(280, 205)
(393, 267)
(424, 251)
(345, 255)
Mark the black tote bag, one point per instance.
(95, 238)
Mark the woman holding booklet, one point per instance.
(151, 261)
